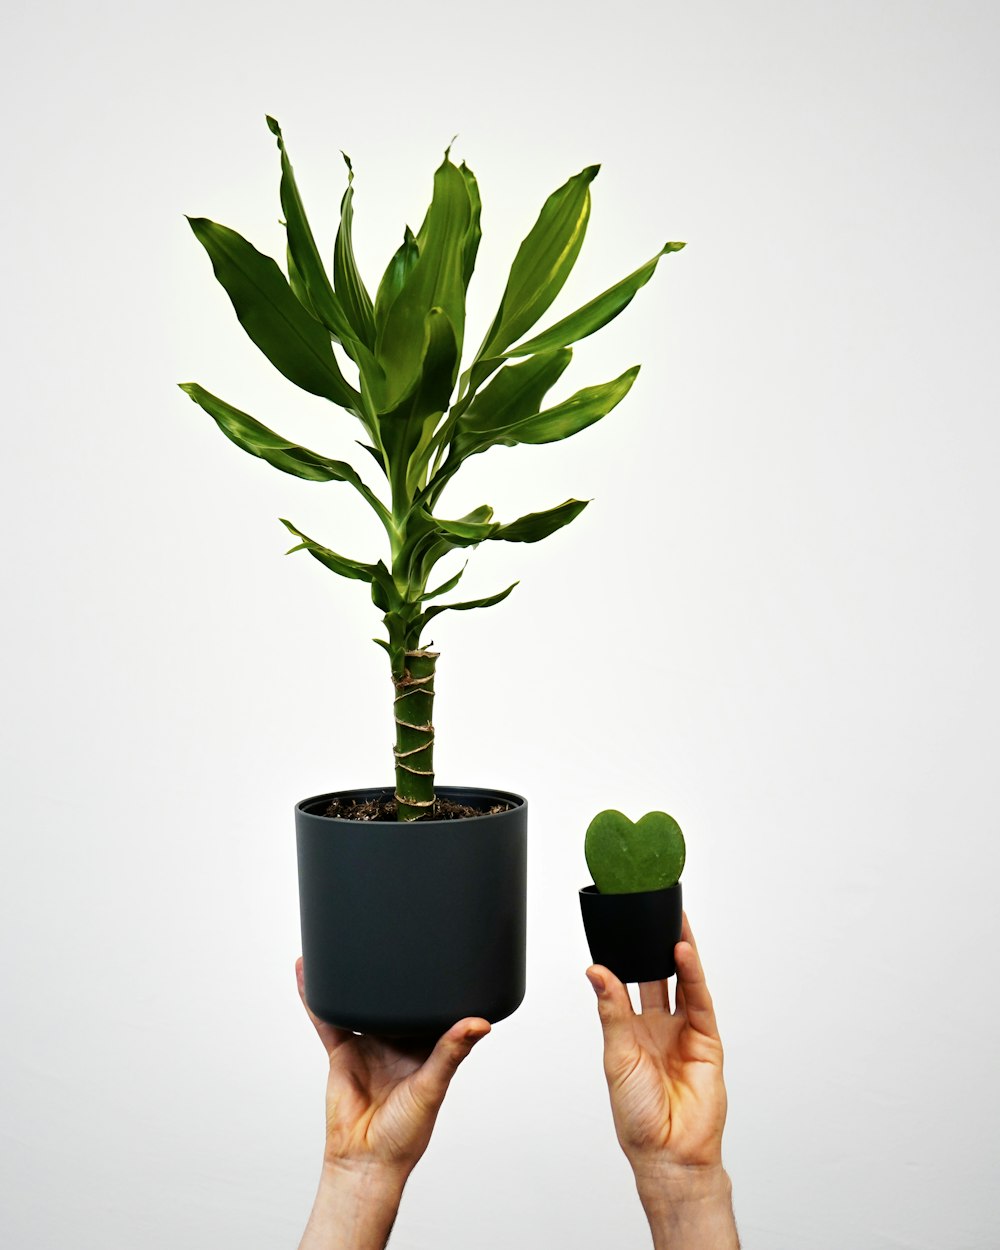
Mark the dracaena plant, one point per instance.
(422, 417)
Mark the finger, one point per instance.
(653, 996)
(680, 1008)
(431, 1080)
(617, 1017)
(698, 1007)
(329, 1034)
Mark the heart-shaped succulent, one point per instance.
(628, 858)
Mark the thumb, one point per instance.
(431, 1080)
(615, 1010)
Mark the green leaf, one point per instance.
(306, 267)
(294, 342)
(435, 282)
(627, 858)
(432, 538)
(297, 283)
(350, 288)
(450, 584)
(543, 262)
(517, 391)
(394, 278)
(248, 433)
(384, 593)
(562, 421)
(597, 313)
(488, 602)
(469, 530)
(474, 233)
(402, 430)
(538, 525)
(346, 567)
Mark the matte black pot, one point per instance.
(633, 934)
(408, 927)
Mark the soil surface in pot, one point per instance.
(384, 808)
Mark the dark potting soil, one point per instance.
(384, 808)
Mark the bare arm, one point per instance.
(668, 1099)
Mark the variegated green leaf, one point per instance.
(306, 267)
(297, 283)
(443, 589)
(247, 432)
(294, 342)
(488, 602)
(394, 278)
(543, 263)
(517, 391)
(535, 526)
(384, 591)
(403, 429)
(348, 284)
(474, 233)
(466, 532)
(573, 414)
(561, 421)
(591, 317)
(435, 281)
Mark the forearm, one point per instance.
(354, 1209)
(688, 1208)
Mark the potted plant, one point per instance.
(413, 897)
(632, 913)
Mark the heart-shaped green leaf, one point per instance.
(627, 858)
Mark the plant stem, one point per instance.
(414, 750)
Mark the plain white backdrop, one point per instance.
(777, 620)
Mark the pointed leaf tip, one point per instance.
(272, 125)
(673, 247)
(347, 160)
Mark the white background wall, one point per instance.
(777, 620)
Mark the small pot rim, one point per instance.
(367, 792)
(593, 892)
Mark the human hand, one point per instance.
(383, 1095)
(668, 1099)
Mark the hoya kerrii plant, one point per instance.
(626, 857)
(422, 416)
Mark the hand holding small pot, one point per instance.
(668, 1100)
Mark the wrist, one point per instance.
(687, 1205)
(355, 1206)
(367, 1176)
(680, 1182)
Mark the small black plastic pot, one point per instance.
(408, 927)
(633, 934)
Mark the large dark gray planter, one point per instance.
(409, 927)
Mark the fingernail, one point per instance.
(596, 981)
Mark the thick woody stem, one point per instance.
(414, 750)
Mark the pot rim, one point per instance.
(516, 802)
(591, 891)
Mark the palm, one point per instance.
(383, 1095)
(664, 1067)
(371, 1105)
(667, 1095)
